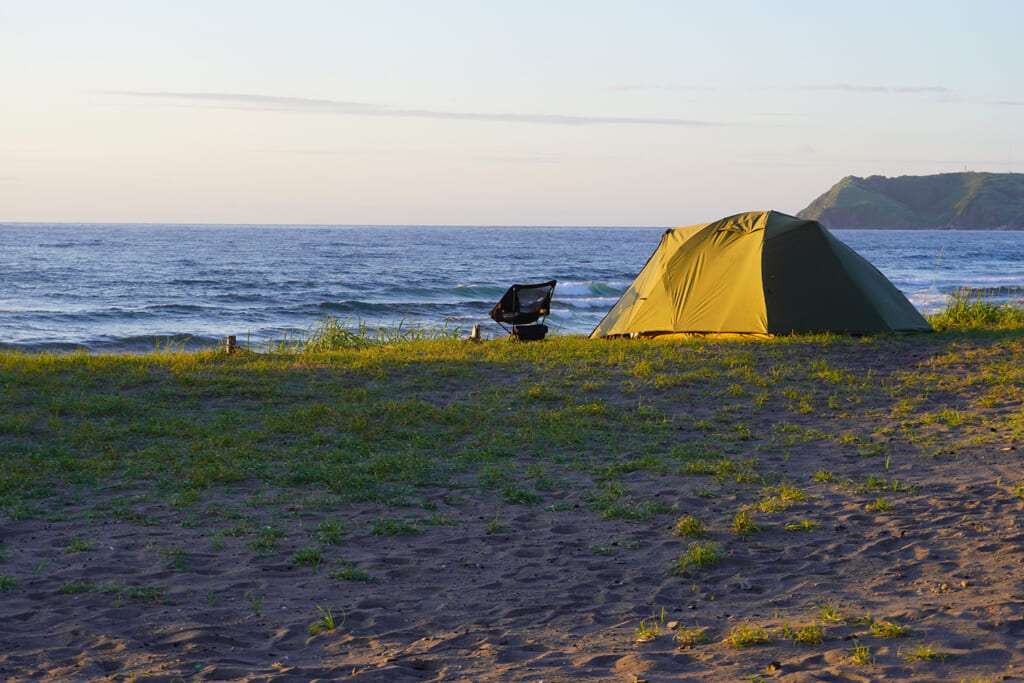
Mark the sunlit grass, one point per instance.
(974, 309)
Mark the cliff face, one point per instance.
(947, 200)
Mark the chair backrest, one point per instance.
(524, 304)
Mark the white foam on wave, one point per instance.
(589, 288)
(592, 302)
(929, 301)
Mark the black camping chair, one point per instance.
(521, 307)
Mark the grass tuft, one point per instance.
(746, 635)
(699, 554)
(969, 309)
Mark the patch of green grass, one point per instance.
(860, 655)
(878, 484)
(349, 572)
(744, 524)
(923, 653)
(647, 631)
(888, 629)
(80, 545)
(690, 527)
(699, 555)
(331, 532)
(391, 526)
(612, 501)
(970, 310)
(517, 495)
(803, 525)
(325, 623)
(74, 587)
(636, 511)
(724, 469)
(746, 635)
(829, 613)
(880, 505)
(804, 634)
(154, 594)
(692, 637)
(308, 557)
(7, 583)
(267, 540)
(175, 558)
(496, 525)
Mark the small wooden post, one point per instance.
(475, 334)
(230, 344)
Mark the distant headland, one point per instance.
(964, 201)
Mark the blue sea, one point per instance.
(128, 287)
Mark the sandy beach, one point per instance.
(903, 565)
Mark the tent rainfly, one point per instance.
(758, 274)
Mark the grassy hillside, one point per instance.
(953, 200)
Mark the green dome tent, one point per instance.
(758, 274)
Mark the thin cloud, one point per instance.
(339, 107)
(897, 90)
(634, 87)
(1009, 103)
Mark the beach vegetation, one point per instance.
(76, 586)
(7, 583)
(295, 441)
(699, 554)
(647, 630)
(496, 525)
(880, 505)
(860, 655)
(331, 532)
(325, 623)
(690, 527)
(888, 629)
(744, 524)
(308, 557)
(972, 309)
(613, 501)
(829, 613)
(687, 638)
(391, 526)
(804, 634)
(175, 558)
(267, 539)
(724, 469)
(79, 545)
(519, 495)
(347, 571)
(923, 653)
(338, 334)
(746, 635)
(151, 594)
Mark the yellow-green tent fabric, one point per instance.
(761, 273)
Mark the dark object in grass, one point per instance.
(521, 307)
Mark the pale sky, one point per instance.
(479, 112)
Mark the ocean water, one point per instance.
(139, 287)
